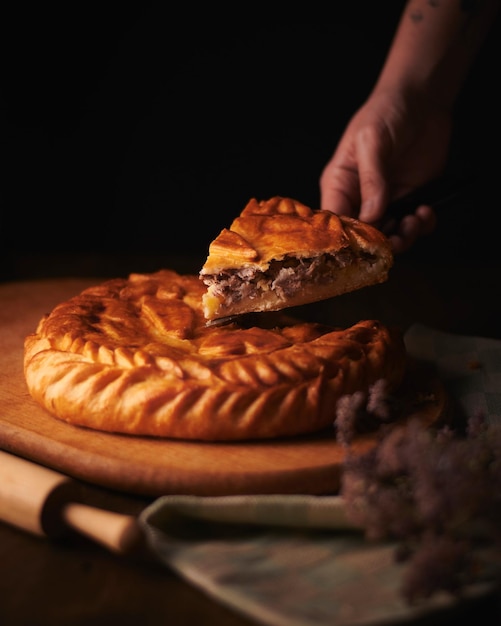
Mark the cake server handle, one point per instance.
(436, 193)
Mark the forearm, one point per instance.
(434, 47)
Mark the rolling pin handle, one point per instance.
(32, 496)
(115, 531)
(46, 503)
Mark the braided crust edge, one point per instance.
(134, 356)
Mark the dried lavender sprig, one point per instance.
(437, 492)
(363, 411)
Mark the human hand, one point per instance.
(392, 145)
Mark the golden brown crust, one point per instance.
(135, 356)
(281, 230)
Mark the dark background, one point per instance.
(131, 138)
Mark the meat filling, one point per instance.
(284, 277)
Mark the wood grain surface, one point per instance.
(154, 467)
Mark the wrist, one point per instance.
(418, 89)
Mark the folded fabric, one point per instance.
(296, 560)
(468, 367)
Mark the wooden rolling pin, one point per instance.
(45, 502)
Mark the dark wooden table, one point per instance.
(73, 581)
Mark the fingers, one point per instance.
(428, 219)
(354, 184)
(339, 189)
(422, 222)
(335, 201)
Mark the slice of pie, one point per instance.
(280, 253)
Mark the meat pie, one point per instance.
(135, 356)
(280, 253)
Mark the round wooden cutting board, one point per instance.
(155, 467)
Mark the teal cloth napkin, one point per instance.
(285, 560)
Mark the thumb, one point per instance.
(374, 189)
